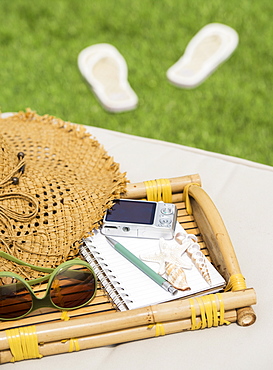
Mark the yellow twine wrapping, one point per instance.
(236, 282)
(159, 190)
(221, 314)
(194, 325)
(166, 190)
(186, 198)
(214, 311)
(209, 316)
(73, 345)
(202, 312)
(65, 316)
(150, 186)
(23, 343)
(159, 329)
(208, 310)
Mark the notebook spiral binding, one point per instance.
(108, 282)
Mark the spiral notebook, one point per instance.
(130, 288)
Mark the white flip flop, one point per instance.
(105, 70)
(210, 47)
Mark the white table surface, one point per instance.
(243, 193)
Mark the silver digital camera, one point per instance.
(140, 218)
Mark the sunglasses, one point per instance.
(71, 285)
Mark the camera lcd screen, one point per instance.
(132, 212)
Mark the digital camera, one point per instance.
(140, 218)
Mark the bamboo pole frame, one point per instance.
(218, 242)
(120, 327)
(114, 337)
(169, 311)
(138, 190)
(97, 329)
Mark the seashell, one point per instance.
(167, 253)
(176, 276)
(183, 237)
(199, 261)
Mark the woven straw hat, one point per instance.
(56, 183)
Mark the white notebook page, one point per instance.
(136, 288)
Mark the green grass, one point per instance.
(230, 113)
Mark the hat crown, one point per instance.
(66, 181)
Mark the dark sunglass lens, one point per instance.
(15, 299)
(73, 287)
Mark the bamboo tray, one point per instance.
(48, 332)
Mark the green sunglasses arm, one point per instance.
(19, 278)
(38, 280)
(16, 260)
(46, 277)
(36, 268)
